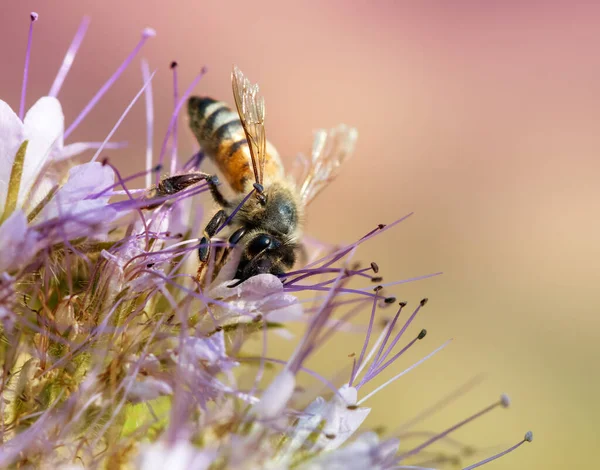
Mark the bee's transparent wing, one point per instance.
(330, 149)
(251, 109)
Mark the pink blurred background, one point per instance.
(482, 118)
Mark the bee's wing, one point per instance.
(330, 149)
(251, 109)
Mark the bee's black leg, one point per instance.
(209, 231)
(177, 183)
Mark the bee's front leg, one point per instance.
(204, 248)
(209, 231)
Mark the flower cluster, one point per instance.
(115, 356)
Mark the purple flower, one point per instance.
(116, 354)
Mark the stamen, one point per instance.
(125, 180)
(396, 377)
(146, 33)
(235, 211)
(372, 351)
(388, 333)
(33, 16)
(116, 126)
(378, 360)
(440, 404)
(149, 120)
(175, 100)
(504, 402)
(182, 100)
(194, 161)
(338, 254)
(366, 343)
(527, 438)
(69, 57)
(377, 371)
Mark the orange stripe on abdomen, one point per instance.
(221, 136)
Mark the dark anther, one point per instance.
(376, 279)
(424, 301)
(378, 288)
(381, 226)
(167, 234)
(330, 436)
(257, 318)
(149, 265)
(218, 328)
(374, 267)
(259, 188)
(352, 407)
(403, 304)
(104, 161)
(178, 235)
(390, 300)
(422, 334)
(157, 168)
(173, 64)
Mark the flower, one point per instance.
(117, 354)
(178, 456)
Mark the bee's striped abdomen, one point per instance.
(221, 136)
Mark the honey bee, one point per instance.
(265, 217)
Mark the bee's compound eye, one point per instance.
(260, 243)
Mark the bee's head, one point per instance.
(264, 253)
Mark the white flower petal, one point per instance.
(70, 200)
(342, 421)
(18, 243)
(364, 453)
(43, 128)
(11, 137)
(148, 388)
(179, 456)
(260, 295)
(276, 395)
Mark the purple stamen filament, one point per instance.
(147, 33)
(528, 438)
(444, 433)
(174, 117)
(33, 16)
(69, 57)
(175, 101)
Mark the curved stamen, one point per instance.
(527, 438)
